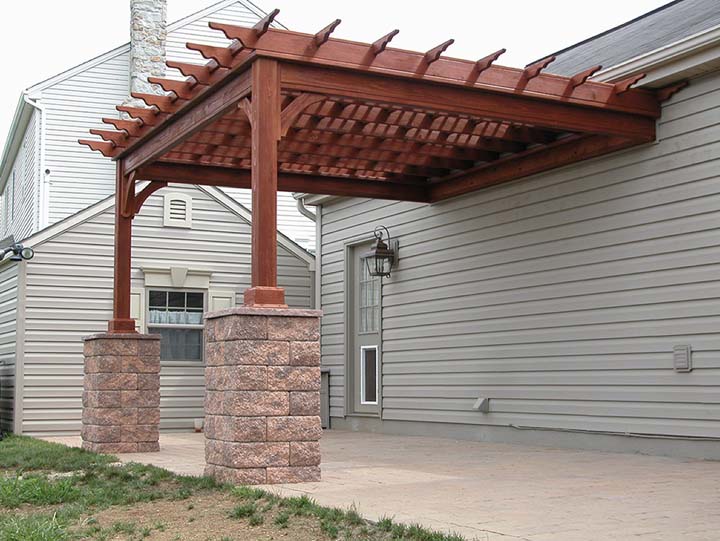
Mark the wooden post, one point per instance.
(265, 122)
(121, 321)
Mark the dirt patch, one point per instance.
(205, 517)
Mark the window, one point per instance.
(177, 210)
(368, 374)
(369, 305)
(177, 317)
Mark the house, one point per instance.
(180, 270)
(45, 176)
(192, 244)
(577, 307)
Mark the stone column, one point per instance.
(262, 395)
(121, 397)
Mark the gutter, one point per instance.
(302, 209)
(651, 61)
(43, 181)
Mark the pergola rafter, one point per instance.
(281, 110)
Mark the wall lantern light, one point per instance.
(383, 255)
(19, 252)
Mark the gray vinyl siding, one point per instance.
(69, 295)
(80, 177)
(9, 287)
(559, 296)
(19, 207)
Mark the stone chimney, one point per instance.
(148, 33)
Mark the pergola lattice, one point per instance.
(282, 110)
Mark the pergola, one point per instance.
(281, 110)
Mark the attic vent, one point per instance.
(178, 210)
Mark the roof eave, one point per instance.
(21, 118)
(670, 63)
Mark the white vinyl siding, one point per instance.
(560, 297)
(19, 207)
(69, 295)
(9, 287)
(80, 177)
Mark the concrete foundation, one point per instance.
(121, 395)
(262, 395)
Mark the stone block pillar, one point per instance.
(262, 395)
(121, 395)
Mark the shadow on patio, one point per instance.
(491, 491)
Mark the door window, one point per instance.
(369, 301)
(368, 375)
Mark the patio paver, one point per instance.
(498, 492)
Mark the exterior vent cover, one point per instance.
(178, 210)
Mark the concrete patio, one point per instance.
(496, 492)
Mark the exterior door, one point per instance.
(365, 354)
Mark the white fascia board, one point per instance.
(84, 215)
(683, 54)
(21, 118)
(240, 210)
(314, 200)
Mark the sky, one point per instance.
(41, 38)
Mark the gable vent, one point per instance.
(178, 210)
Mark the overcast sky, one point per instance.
(41, 38)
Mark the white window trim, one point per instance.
(200, 327)
(362, 375)
(168, 221)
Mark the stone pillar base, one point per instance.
(121, 395)
(262, 395)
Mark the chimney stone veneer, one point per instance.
(262, 395)
(148, 35)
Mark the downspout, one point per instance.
(302, 209)
(43, 178)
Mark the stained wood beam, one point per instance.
(381, 44)
(500, 107)
(292, 46)
(621, 87)
(487, 61)
(146, 192)
(346, 145)
(287, 182)
(265, 109)
(122, 257)
(322, 37)
(149, 116)
(534, 161)
(198, 113)
(263, 24)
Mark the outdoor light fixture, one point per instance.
(382, 256)
(19, 252)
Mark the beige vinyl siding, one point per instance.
(80, 177)
(69, 295)
(559, 296)
(19, 206)
(9, 292)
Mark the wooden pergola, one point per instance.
(281, 110)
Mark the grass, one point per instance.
(49, 492)
(27, 454)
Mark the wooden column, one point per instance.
(124, 190)
(265, 122)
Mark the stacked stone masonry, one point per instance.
(262, 397)
(121, 396)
